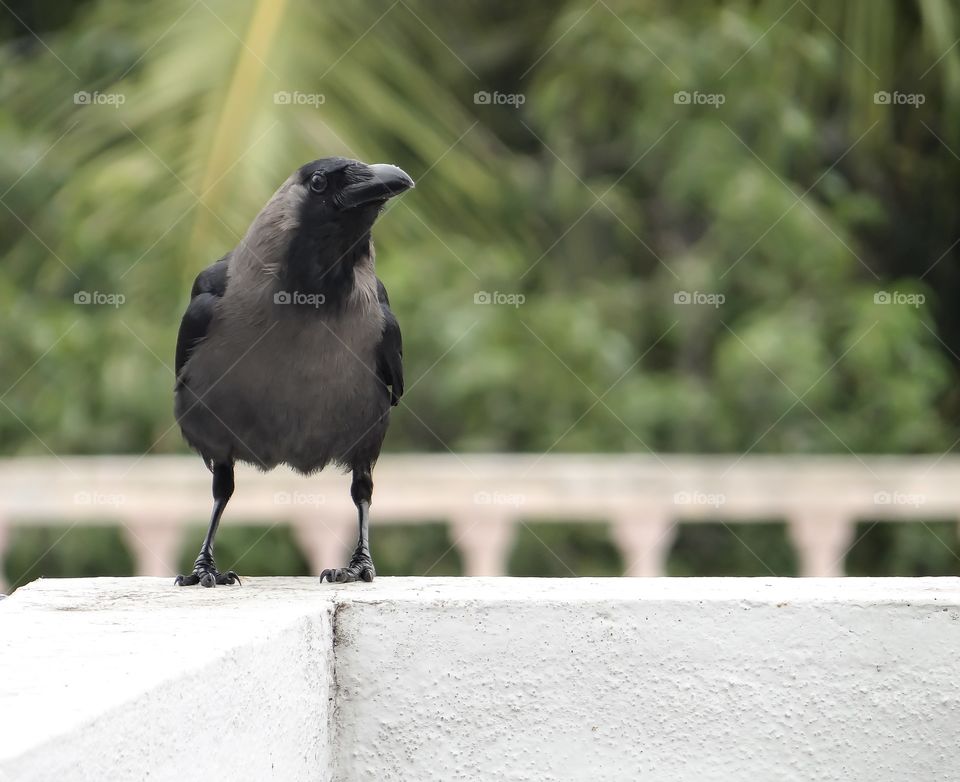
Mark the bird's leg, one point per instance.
(205, 569)
(361, 564)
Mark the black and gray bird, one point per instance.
(288, 351)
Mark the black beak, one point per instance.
(370, 184)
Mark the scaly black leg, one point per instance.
(361, 564)
(205, 569)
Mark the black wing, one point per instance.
(209, 286)
(390, 349)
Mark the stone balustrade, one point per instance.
(484, 497)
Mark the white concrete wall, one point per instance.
(475, 679)
(109, 679)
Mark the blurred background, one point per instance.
(731, 223)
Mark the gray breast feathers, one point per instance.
(290, 383)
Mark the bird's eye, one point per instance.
(318, 182)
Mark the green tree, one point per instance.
(784, 186)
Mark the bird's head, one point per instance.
(325, 210)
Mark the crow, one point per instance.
(288, 351)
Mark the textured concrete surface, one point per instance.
(475, 679)
(653, 680)
(125, 679)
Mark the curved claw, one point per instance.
(208, 578)
(343, 575)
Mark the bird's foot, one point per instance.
(360, 569)
(205, 573)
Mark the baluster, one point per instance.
(644, 538)
(484, 539)
(822, 540)
(4, 537)
(327, 542)
(155, 545)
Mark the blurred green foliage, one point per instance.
(755, 549)
(905, 549)
(66, 551)
(600, 198)
(252, 551)
(420, 549)
(564, 549)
